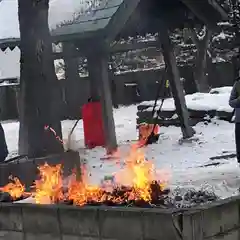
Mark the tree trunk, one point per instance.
(39, 89)
(200, 69)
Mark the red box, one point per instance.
(93, 125)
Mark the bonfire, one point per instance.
(135, 184)
(15, 189)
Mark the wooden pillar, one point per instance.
(94, 73)
(100, 87)
(72, 89)
(71, 62)
(174, 79)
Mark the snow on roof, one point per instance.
(222, 36)
(59, 11)
(216, 99)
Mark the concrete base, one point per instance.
(26, 169)
(57, 222)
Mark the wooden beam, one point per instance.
(124, 47)
(9, 43)
(119, 19)
(207, 11)
(174, 79)
(115, 48)
(94, 73)
(62, 55)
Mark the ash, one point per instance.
(192, 197)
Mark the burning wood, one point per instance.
(15, 190)
(48, 189)
(135, 184)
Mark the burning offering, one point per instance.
(136, 184)
(48, 189)
(13, 191)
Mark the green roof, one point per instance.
(109, 19)
(90, 23)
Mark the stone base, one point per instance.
(57, 222)
(26, 169)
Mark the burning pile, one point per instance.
(134, 185)
(13, 191)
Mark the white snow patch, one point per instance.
(218, 60)
(217, 99)
(222, 36)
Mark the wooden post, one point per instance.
(72, 91)
(71, 62)
(100, 87)
(174, 79)
(94, 73)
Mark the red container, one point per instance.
(93, 125)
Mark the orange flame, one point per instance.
(136, 176)
(15, 188)
(138, 173)
(80, 192)
(49, 187)
(145, 130)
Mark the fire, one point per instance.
(80, 192)
(15, 188)
(138, 173)
(48, 189)
(145, 130)
(137, 176)
(136, 181)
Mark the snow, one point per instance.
(181, 163)
(216, 99)
(222, 36)
(218, 60)
(224, 24)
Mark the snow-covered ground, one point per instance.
(180, 163)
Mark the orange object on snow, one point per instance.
(93, 125)
(145, 131)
